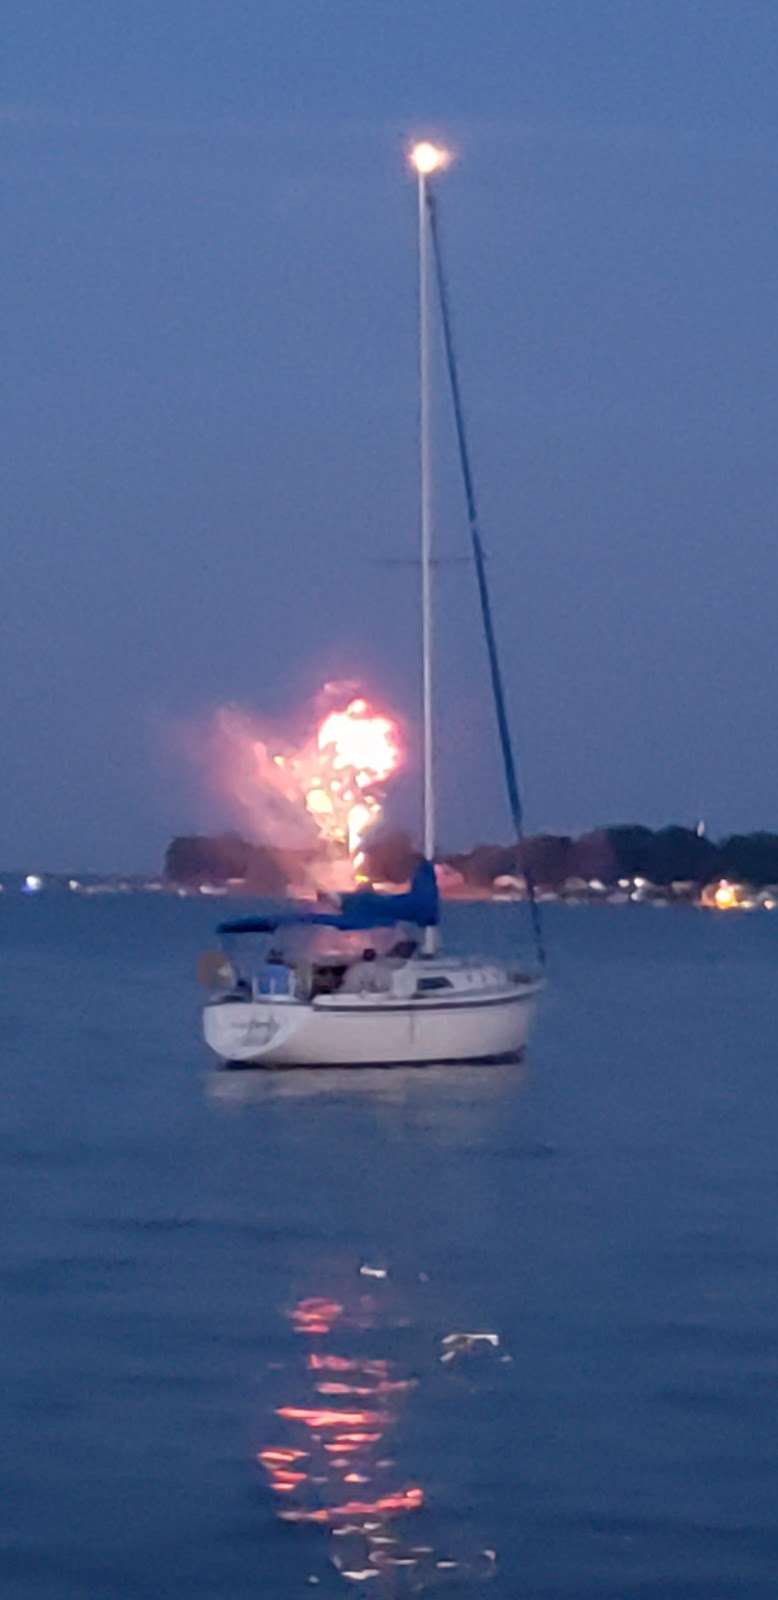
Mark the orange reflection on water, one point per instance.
(348, 1445)
(318, 1361)
(339, 1482)
(384, 1386)
(342, 1388)
(336, 1470)
(270, 1457)
(387, 1505)
(315, 1315)
(315, 1418)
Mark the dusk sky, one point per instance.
(210, 407)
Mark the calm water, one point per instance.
(185, 1254)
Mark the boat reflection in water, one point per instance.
(445, 1092)
(332, 1461)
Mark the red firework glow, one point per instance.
(328, 790)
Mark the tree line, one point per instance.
(663, 856)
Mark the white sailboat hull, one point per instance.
(368, 1030)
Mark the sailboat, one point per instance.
(373, 986)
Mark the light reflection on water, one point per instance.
(335, 1454)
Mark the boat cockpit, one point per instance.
(304, 967)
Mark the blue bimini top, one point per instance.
(364, 908)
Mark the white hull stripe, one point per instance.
(399, 1009)
(438, 1006)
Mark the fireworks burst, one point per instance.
(329, 790)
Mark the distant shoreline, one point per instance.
(618, 865)
(722, 895)
(676, 861)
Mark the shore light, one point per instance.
(726, 896)
(428, 158)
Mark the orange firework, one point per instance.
(358, 750)
(328, 790)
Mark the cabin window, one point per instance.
(425, 985)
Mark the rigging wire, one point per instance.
(495, 670)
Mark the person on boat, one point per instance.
(275, 976)
(367, 976)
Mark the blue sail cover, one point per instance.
(360, 910)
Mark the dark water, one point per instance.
(609, 1213)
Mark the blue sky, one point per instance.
(209, 409)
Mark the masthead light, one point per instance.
(428, 158)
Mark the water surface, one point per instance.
(191, 1261)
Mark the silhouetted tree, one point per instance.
(549, 857)
(632, 845)
(480, 867)
(680, 853)
(197, 858)
(390, 856)
(593, 856)
(750, 858)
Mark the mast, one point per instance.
(426, 159)
(425, 508)
(479, 558)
